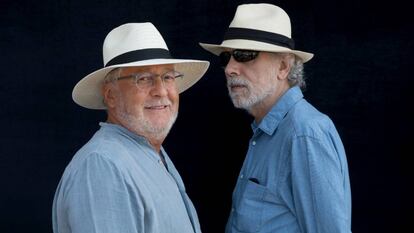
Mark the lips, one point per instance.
(156, 107)
(237, 86)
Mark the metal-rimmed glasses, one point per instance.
(145, 80)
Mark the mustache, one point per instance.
(237, 81)
(158, 102)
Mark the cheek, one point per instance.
(254, 78)
(265, 76)
(175, 106)
(174, 97)
(132, 101)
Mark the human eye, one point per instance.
(143, 78)
(170, 76)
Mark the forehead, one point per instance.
(152, 69)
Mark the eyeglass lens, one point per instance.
(238, 55)
(146, 80)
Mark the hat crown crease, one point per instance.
(127, 38)
(263, 17)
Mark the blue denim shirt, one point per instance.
(118, 183)
(295, 175)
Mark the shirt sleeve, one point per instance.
(319, 186)
(100, 200)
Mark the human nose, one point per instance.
(232, 68)
(158, 87)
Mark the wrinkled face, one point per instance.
(146, 107)
(250, 83)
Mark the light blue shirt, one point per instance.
(117, 183)
(295, 174)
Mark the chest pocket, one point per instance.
(249, 210)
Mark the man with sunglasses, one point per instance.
(122, 180)
(295, 174)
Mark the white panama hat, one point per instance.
(132, 45)
(259, 27)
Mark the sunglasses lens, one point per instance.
(239, 56)
(224, 58)
(244, 55)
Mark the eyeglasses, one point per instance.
(146, 80)
(238, 55)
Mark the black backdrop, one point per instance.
(360, 76)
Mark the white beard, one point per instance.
(143, 126)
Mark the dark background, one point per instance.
(360, 76)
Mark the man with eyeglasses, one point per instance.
(295, 174)
(122, 180)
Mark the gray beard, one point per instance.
(251, 96)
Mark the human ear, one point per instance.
(109, 95)
(284, 66)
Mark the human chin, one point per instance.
(252, 98)
(158, 127)
(240, 102)
(240, 98)
(158, 121)
(142, 124)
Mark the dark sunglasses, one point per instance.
(238, 55)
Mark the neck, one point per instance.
(155, 142)
(260, 110)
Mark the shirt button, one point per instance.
(232, 209)
(241, 176)
(254, 143)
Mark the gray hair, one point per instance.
(296, 73)
(112, 75)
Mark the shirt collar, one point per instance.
(272, 119)
(122, 130)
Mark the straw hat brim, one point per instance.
(253, 45)
(88, 91)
